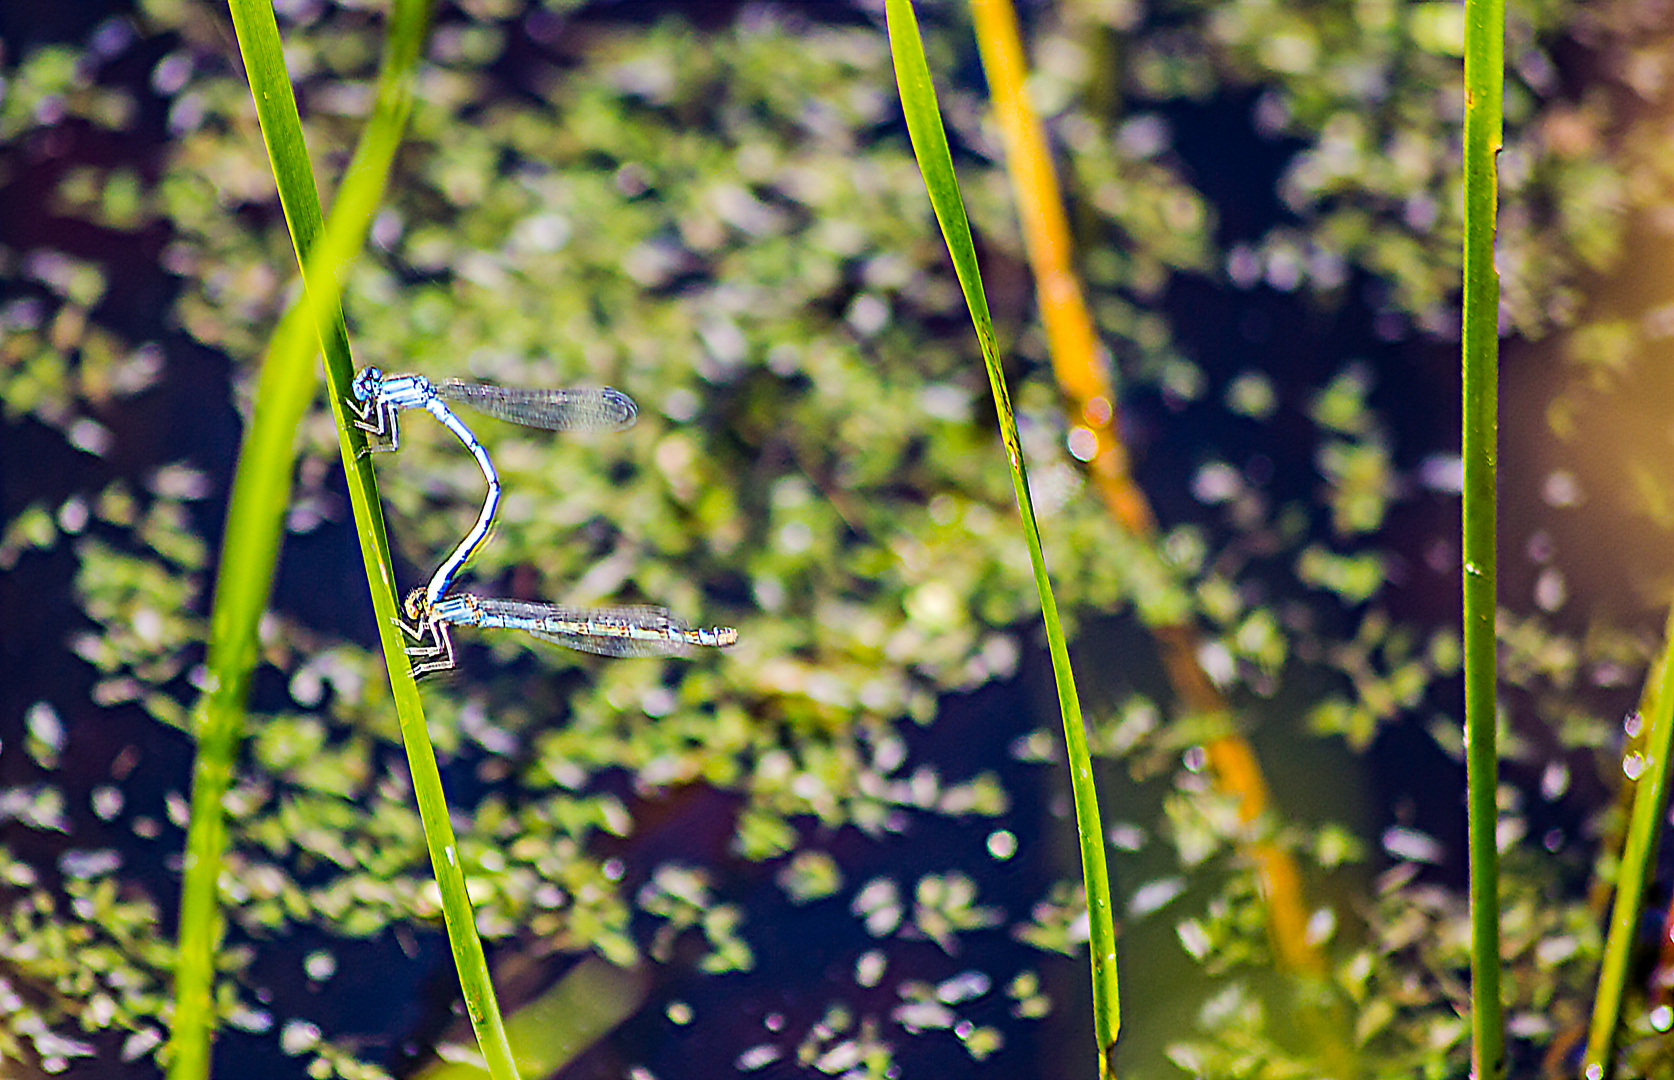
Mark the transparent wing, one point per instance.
(610, 631)
(539, 615)
(614, 646)
(568, 409)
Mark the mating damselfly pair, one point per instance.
(377, 399)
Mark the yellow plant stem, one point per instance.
(1079, 366)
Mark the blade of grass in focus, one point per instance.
(256, 511)
(1484, 78)
(918, 102)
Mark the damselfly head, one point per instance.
(366, 383)
(414, 605)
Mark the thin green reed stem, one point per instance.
(924, 125)
(1484, 76)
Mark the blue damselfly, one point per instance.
(376, 400)
(609, 631)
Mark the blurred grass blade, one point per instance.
(1650, 797)
(918, 102)
(1484, 78)
(250, 548)
(256, 511)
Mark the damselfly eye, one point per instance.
(365, 380)
(413, 605)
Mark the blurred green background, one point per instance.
(844, 846)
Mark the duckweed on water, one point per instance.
(728, 225)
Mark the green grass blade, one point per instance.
(255, 517)
(924, 124)
(250, 548)
(256, 511)
(1484, 76)
(1639, 851)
